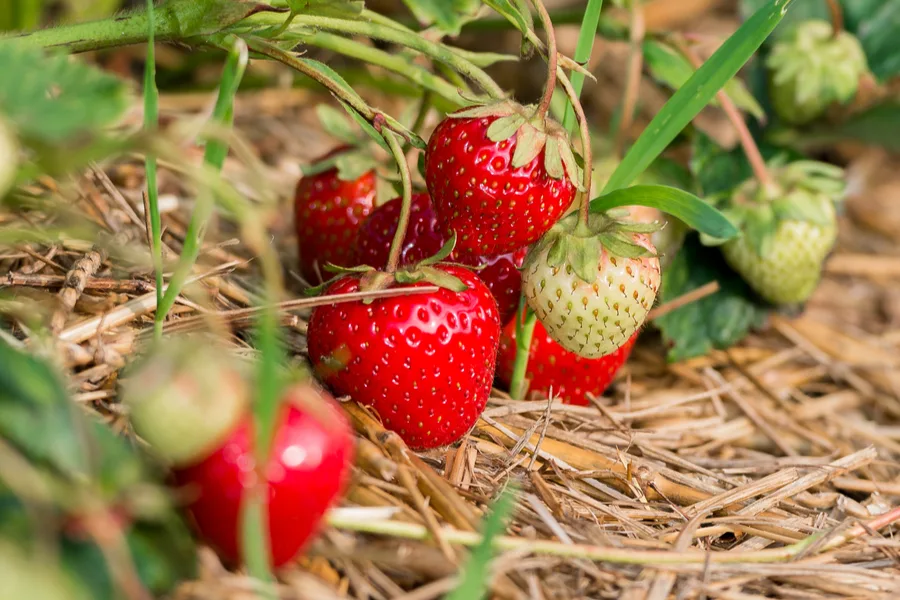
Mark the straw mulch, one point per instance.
(720, 462)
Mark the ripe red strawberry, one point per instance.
(192, 409)
(424, 239)
(424, 362)
(328, 213)
(553, 368)
(499, 176)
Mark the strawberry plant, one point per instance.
(525, 248)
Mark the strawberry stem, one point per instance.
(751, 150)
(633, 76)
(525, 322)
(406, 203)
(552, 59)
(837, 16)
(587, 152)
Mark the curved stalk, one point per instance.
(393, 35)
(391, 62)
(406, 202)
(552, 59)
(837, 16)
(587, 151)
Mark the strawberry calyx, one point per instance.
(534, 132)
(802, 191)
(580, 245)
(813, 67)
(424, 271)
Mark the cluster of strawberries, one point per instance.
(425, 362)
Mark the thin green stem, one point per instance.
(290, 59)
(552, 59)
(617, 555)
(525, 323)
(583, 51)
(587, 151)
(439, 52)
(151, 122)
(406, 202)
(391, 62)
(215, 154)
(751, 150)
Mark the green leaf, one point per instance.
(716, 321)
(448, 15)
(336, 124)
(877, 125)
(878, 31)
(673, 69)
(223, 112)
(583, 49)
(36, 415)
(687, 102)
(366, 126)
(324, 8)
(522, 19)
(690, 209)
(474, 585)
(54, 99)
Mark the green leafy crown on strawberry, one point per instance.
(534, 132)
(812, 68)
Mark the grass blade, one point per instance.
(697, 92)
(474, 585)
(151, 122)
(695, 213)
(216, 151)
(583, 51)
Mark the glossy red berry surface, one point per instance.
(424, 238)
(550, 366)
(493, 207)
(307, 471)
(424, 362)
(328, 213)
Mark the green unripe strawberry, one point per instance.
(811, 68)
(592, 287)
(787, 230)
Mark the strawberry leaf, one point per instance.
(336, 124)
(716, 321)
(53, 99)
(552, 159)
(690, 209)
(447, 15)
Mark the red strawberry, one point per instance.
(328, 213)
(499, 176)
(191, 407)
(307, 471)
(550, 366)
(424, 362)
(424, 239)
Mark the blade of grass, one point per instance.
(214, 156)
(699, 91)
(583, 51)
(474, 585)
(151, 122)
